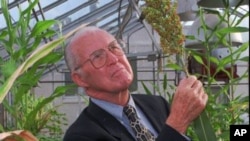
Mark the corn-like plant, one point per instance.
(27, 58)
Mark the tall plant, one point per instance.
(233, 105)
(213, 124)
(26, 60)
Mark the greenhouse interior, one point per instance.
(167, 43)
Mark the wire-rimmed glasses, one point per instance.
(99, 57)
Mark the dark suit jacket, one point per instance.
(95, 124)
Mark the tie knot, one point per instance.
(129, 111)
(141, 132)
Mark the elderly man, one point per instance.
(98, 64)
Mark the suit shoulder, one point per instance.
(78, 127)
(150, 100)
(148, 97)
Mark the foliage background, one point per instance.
(214, 122)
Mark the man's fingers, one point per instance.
(198, 87)
(188, 82)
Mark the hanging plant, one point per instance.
(162, 16)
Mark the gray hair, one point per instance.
(71, 58)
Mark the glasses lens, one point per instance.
(98, 58)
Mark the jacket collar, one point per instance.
(115, 128)
(108, 122)
(149, 111)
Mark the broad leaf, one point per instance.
(198, 59)
(33, 58)
(42, 26)
(203, 128)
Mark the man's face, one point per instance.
(102, 69)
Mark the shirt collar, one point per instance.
(114, 109)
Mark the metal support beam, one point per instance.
(146, 25)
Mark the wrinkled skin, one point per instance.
(108, 83)
(188, 102)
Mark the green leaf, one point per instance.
(243, 47)
(8, 67)
(32, 59)
(40, 53)
(10, 29)
(37, 54)
(41, 27)
(198, 59)
(214, 60)
(3, 35)
(226, 60)
(51, 58)
(27, 81)
(203, 128)
(228, 30)
(34, 44)
(245, 59)
(190, 37)
(9, 108)
(146, 89)
(48, 33)
(30, 7)
(60, 90)
(174, 66)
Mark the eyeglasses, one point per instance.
(99, 57)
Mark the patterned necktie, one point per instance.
(141, 132)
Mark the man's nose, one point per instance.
(111, 57)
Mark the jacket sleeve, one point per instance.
(170, 134)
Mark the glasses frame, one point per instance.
(110, 48)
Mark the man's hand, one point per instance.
(189, 101)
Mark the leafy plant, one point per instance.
(214, 122)
(26, 60)
(232, 107)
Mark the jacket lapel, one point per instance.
(109, 123)
(152, 113)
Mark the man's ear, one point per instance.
(77, 78)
